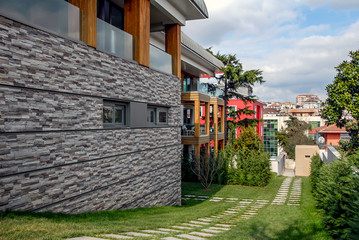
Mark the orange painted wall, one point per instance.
(332, 139)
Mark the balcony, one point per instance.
(57, 16)
(113, 40)
(160, 60)
(188, 130)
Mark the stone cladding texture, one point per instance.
(55, 154)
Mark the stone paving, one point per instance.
(287, 188)
(207, 227)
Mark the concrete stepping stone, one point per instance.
(188, 236)
(191, 225)
(230, 201)
(136, 234)
(190, 195)
(181, 227)
(172, 238)
(201, 234)
(205, 219)
(198, 222)
(224, 225)
(204, 196)
(219, 228)
(154, 231)
(231, 212)
(168, 230)
(116, 236)
(214, 200)
(218, 198)
(86, 238)
(211, 231)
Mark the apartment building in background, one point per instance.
(236, 104)
(92, 102)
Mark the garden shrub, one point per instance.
(337, 195)
(245, 162)
(315, 170)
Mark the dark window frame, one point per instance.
(113, 105)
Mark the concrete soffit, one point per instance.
(170, 11)
(179, 11)
(192, 61)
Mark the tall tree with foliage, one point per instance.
(232, 79)
(342, 104)
(293, 135)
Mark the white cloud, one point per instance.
(267, 35)
(335, 4)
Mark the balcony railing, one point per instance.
(55, 15)
(204, 88)
(189, 130)
(113, 40)
(160, 60)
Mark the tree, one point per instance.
(293, 135)
(245, 160)
(342, 105)
(206, 167)
(233, 78)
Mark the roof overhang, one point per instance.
(177, 12)
(194, 58)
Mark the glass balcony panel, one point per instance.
(55, 15)
(202, 129)
(188, 130)
(160, 60)
(113, 40)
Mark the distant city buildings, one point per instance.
(275, 115)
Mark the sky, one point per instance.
(296, 43)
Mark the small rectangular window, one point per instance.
(114, 114)
(151, 115)
(157, 115)
(162, 115)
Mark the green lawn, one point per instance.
(271, 222)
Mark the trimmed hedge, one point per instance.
(336, 190)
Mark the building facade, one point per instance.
(236, 104)
(275, 122)
(90, 106)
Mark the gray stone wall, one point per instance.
(55, 154)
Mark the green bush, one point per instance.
(245, 162)
(336, 189)
(315, 170)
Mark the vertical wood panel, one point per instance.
(215, 119)
(207, 118)
(137, 23)
(173, 46)
(197, 118)
(89, 24)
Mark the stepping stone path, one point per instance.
(282, 194)
(294, 190)
(194, 197)
(295, 194)
(253, 210)
(197, 229)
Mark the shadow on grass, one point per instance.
(296, 230)
(190, 188)
(187, 188)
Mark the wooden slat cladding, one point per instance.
(173, 46)
(137, 23)
(89, 20)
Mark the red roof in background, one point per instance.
(270, 110)
(328, 129)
